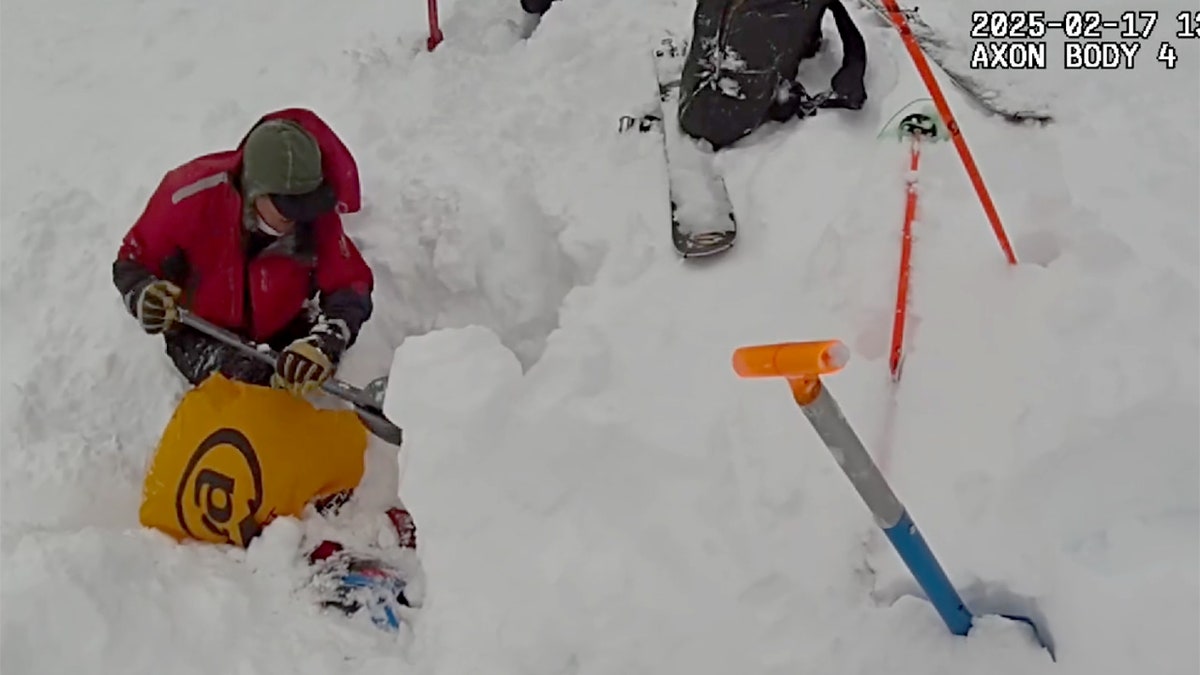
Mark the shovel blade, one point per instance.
(376, 389)
(373, 417)
(1037, 634)
(379, 425)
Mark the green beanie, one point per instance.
(280, 158)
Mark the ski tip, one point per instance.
(704, 254)
(702, 245)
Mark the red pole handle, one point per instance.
(435, 32)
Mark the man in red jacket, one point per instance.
(251, 240)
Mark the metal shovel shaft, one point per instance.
(891, 516)
(364, 405)
(803, 364)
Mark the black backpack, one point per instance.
(741, 66)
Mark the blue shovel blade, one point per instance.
(1037, 634)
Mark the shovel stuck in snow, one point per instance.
(802, 364)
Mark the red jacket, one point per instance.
(191, 232)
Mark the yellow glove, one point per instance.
(302, 367)
(155, 305)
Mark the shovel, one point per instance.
(366, 404)
(802, 364)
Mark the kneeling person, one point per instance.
(248, 239)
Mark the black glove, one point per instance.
(847, 83)
(154, 303)
(307, 363)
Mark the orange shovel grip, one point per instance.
(791, 359)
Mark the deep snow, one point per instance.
(595, 491)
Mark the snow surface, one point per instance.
(595, 491)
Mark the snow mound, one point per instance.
(449, 374)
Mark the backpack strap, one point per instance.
(854, 48)
(846, 87)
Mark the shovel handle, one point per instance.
(265, 354)
(185, 317)
(791, 359)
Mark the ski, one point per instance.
(946, 54)
(702, 218)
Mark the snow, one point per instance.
(595, 490)
(452, 373)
